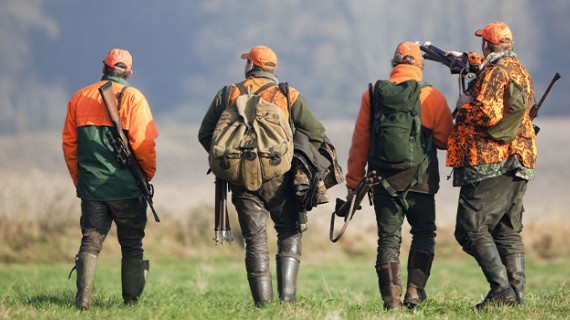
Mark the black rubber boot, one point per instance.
(133, 278)
(390, 284)
(419, 267)
(261, 289)
(515, 271)
(287, 271)
(86, 265)
(501, 292)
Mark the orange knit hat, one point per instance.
(119, 55)
(496, 32)
(262, 56)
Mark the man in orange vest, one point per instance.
(108, 191)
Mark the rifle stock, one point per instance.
(534, 109)
(347, 209)
(222, 229)
(121, 146)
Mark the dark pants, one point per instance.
(130, 219)
(275, 199)
(390, 217)
(490, 213)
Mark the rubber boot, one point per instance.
(501, 292)
(515, 271)
(261, 289)
(86, 265)
(287, 271)
(133, 278)
(419, 267)
(390, 284)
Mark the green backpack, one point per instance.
(398, 144)
(508, 127)
(252, 141)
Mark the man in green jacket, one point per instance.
(275, 198)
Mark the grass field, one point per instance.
(328, 289)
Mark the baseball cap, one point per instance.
(496, 32)
(262, 56)
(408, 52)
(119, 55)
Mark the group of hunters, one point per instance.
(492, 173)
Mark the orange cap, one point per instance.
(262, 56)
(496, 32)
(408, 52)
(119, 55)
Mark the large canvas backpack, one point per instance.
(252, 141)
(398, 145)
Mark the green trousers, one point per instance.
(390, 217)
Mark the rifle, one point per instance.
(456, 65)
(222, 229)
(347, 209)
(533, 113)
(122, 148)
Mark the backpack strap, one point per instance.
(284, 87)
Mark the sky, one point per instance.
(184, 51)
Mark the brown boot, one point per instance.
(419, 267)
(390, 284)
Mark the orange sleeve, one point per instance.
(137, 119)
(436, 116)
(358, 154)
(69, 137)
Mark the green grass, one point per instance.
(217, 289)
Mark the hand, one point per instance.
(463, 99)
(455, 54)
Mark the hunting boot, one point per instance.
(261, 289)
(515, 271)
(86, 265)
(501, 292)
(390, 284)
(133, 278)
(287, 270)
(419, 267)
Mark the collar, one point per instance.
(403, 72)
(494, 57)
(115, 79)
(263, 74)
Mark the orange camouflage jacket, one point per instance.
(469, 144)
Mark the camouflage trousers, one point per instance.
(390, 217)
(129, 217)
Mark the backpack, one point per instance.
(507, 128)
(398, 145)
(252, 141)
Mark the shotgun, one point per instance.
(533, 113)
(121, 146)
(222, 229)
